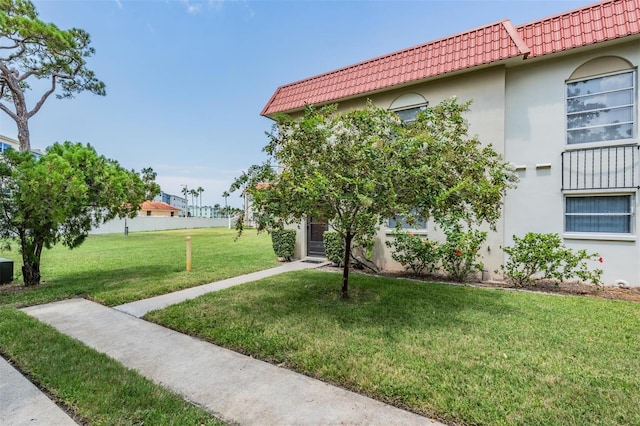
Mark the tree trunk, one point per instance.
(347, 261)
(23, 135)
(22, 121)
(31, 273)
(31, 253)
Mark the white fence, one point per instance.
(151, 223)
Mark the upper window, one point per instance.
(408, 106)
(601, 108)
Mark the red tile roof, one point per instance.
(600, 22)
(489, 44)
(158, 205)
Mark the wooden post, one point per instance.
(188, 254)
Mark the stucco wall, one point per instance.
(520, 110)
(535, 135)
(486, 88)
(157, 223)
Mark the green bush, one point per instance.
(284, 243)
(413, 252)
(459, 254)
(334, 247)
(539, 256)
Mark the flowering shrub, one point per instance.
(459, 254)
(415, 253)
(538, 256)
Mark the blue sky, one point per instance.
(186, 80)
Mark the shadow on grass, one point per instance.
(374, 302)
(83, 284)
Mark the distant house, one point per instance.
(158, 209)
(173, 200)
(558, 97)
(9, 143)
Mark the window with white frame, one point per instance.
(401, 222)
(601, 108)
(408, 106)
(599, 213)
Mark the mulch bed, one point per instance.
(541, 286)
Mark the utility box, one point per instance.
(6, 270)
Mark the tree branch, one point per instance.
(44, 97)
(11, 47)
(7, 111)
(9, 78)
(18, 53)
(26, 75)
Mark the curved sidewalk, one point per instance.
(233, 387)
(22, 403)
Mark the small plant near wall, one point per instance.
(417, 254)
(461, 251)
(334, 247)
(544, 256)
(284, 243)
(458, 256)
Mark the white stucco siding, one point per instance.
(486, 90)
(535, 138)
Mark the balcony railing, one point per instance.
(611, 167)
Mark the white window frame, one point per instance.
(405, 226)
(634, 122)
(605, 236)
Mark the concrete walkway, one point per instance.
(22, 403)
(233, 387)
(141, 307)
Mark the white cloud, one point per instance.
(192, 7)
(119, 4)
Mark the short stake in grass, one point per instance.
(188, 254)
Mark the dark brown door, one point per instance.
(315, 231)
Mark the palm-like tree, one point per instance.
(200, 190)
(185, 191)
(193, 193)
(225, 194)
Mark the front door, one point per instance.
(315, 231)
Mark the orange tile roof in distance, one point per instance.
(158, 205)
(489, 44)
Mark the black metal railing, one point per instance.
(610, 167)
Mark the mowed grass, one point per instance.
(115, 269)
(461, 354)
(94, 388)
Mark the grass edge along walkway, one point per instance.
(463, 354)
(239, 389)
(90, 385)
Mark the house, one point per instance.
(158, 209)
(9, 143)
(173, 200)
(557, 97)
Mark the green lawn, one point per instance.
(461, 354)
(95, 388)
(115, 269)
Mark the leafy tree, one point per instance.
(358, 168)
(32, 50)
(60, 196)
